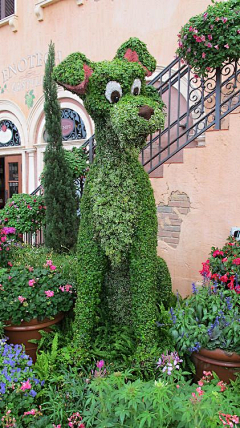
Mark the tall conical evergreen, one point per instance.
(59, 190)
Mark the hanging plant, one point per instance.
(211, 38)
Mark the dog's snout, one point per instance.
(146, 112)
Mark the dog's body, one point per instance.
(118, 229)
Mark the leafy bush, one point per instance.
(211, 38)
(67, 264)
(7, 244)
(24, 212)
(209, 318)
(18, 387)
(116, 401)
(28, 293)
(223, 266)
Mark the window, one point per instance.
(9, 135)
(6, 8)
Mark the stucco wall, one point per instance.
(208, 181)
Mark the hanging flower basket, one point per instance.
(211, 38)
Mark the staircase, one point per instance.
(193, 106)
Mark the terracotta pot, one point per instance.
(22, 333)
(223, 363)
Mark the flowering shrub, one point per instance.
(223, 266)
(211, 38)
(18, 386)
(24, 212)
(209, 318)
(7, 238)
(117, 401)
(28, 293)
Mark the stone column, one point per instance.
(31, 170)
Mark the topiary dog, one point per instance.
(118, 264)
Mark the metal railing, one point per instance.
(35, 239)
(193, 105)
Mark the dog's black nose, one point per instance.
(145, 112)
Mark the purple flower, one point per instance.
(194, 288)
(173, 316)
(32, 393)
(100, 364)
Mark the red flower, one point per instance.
(224, 278)
(217, 253)
(236, 261)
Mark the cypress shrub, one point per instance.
(59, 191)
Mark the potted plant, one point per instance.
(211, 38)
(206, 326)
(32, 299)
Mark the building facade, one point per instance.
(197, 201)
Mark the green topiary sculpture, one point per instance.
(118, 231)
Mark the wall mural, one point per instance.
(29, 98)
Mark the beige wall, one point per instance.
(210, 178)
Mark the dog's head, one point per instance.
(115, 92)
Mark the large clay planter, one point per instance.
(223, 363)
(22, 333)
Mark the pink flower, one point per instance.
(209, 45)
(198, 39)
(191, 28)
(68, 288)
(194, 395)
(180, 44)
(177, 386)
(217, 19)
(208, 68)
(62, 288)
(200, 391)
(31, 412)
(49, 293)
(26, 385)
(49, 262)
(52, 267)
(10, 264)
(222, 385)
(212, 27)
(224, 278)
(216, 47)
(100, 364)
(238, 31)
(29, 207)
(224, 20)
(21, 299)
(209, 37)
(3, 238)
(235, 419)
(217, 253)
(205, 15)
(226, 46)
(236, 261)
(200, 383)
(203, 55)
(57, 426)
(30, 269)
(31, 282)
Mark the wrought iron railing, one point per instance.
(193, 105)
(35, 238)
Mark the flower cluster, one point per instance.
(28, 293)
(223, 266)
(228, 420)
(99, 372)
(75, 421)
(211, 38)
(209, 318)
(26, 213)
(169, 362)
(7, 238)
(18, 384)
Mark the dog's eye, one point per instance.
(136, 87)
(113, 92)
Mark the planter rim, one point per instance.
(31, 325)
(218, 354)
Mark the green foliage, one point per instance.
(28, 293)
(36, 256)
(24, 212)
(211, 38)
(116, 401)
(71, 70)
(223, 266)
(164, 284)
(59, 192)
(209, 318)
(118, 230)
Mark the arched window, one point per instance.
(9, 135)
(73, 127)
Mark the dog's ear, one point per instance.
(73, 73)
(136, 51)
